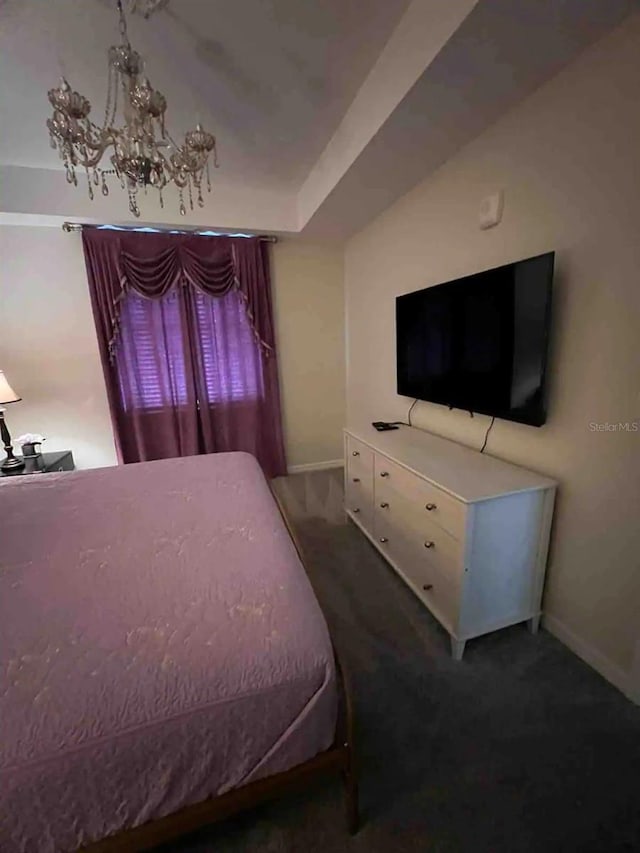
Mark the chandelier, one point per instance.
(143, 153)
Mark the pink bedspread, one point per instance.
(159, 643)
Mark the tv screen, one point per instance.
(480, 342)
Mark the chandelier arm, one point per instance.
(99, 151)
(178, 176)
(92, 162)
(181, 177)
(104, 137)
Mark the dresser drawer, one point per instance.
(438, 594)
(428, 500)
(434, 542)
(359, 459)
(357, 476)
(428, 541)
(436, 590)
(359, 501)
(442, 551)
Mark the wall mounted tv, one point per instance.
(479, 343)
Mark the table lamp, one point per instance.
(7, 395)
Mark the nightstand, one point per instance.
(44, 463)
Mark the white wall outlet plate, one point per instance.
(491, 209)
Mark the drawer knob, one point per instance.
(429, 544)
(384, 505)
(430, 507)
(427, 587)
(384, 473)
(355, 453)
(383, 539)
(356, 479)
(356, 509)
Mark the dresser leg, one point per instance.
(457, 648)
(533, 624)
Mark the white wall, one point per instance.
(568, 159)
(48, 345)
(308, 293)
(49, 352)
(30, 191)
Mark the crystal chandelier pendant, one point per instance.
(140, 151)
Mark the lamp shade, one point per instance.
(7, 394)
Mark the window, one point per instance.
(229, 353)
(166, 362)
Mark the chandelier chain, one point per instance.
(123, 24)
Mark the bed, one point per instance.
(164, 659)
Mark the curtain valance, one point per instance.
(151, 264)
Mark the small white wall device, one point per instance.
(491, 209)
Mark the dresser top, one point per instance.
(466, 474)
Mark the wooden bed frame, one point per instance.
(339, 758)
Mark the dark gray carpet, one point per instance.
(520, 748)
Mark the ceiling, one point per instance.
(326, 111)
(271, 78)
(500, 53)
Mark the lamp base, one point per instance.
(12, 464)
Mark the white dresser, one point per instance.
(467, 532)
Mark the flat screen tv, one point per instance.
(479, 343)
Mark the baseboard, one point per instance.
(607, 669)
(315, 466)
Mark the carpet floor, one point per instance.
(520, 748)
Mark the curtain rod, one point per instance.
(68, 227)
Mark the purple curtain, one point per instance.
(185, 331)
